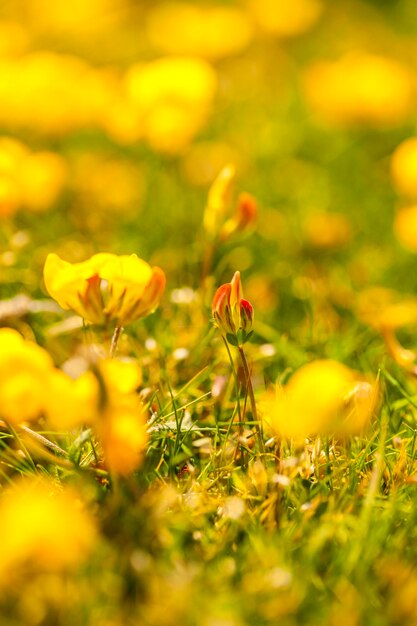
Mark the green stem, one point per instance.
(249, 386)
(232, 364)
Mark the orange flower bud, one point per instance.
(232, 314)
(244, 217)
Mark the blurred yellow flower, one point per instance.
(405, 227)
(387, 311)
(122, 423)
(361, 88)
(212, 32)
(124, 436)
(322, 397)
(44, 528)
(111, 184)
(14, 38)
(71, 403)
(404, 168)
(121, 376)
(106, 399)
(43, 98)
(172, 97)
(106, 287)
(24, 371)
(219, 198)
(286, 19)
(327, 230)
(205, 159)
(31, 180)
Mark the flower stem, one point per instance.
(249, 386)
(235, 379)
(115, 340)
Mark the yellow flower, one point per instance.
(405, 227)
(212, 32)
(387, 312)
(122, 422)
(327, 230)
(71, 403)
(219, 198)
(106, 287)
(106, 399)
(43, 527)
(172, 97)
(286, 19)
(404, 168)
(123, 436)
(322, 397)
(24, 370)
(361, 89)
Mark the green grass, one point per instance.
(220, 527)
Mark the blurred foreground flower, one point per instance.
(106, 287)
(44, 528)
(122, 423)
(322, 398)
(24, 371)
(361, 89)
(232, 314)
(105, 399)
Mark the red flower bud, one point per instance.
(231, 312)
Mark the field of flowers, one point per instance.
(208, 314)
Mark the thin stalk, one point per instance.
(232, 364)
(237, 393)
(22, 445)
(115, 340)
(44, 441)
(249, 386)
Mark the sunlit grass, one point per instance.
(208, 315)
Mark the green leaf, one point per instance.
(232, 339)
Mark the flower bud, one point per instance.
(246, 315)
(232, 314)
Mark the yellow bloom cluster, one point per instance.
(286, 19)
(30, 180)
(322, 397)
(212, 32)
(64, 93)
(169, 101)
(164, 102)
(106, 398)
(360, 88)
